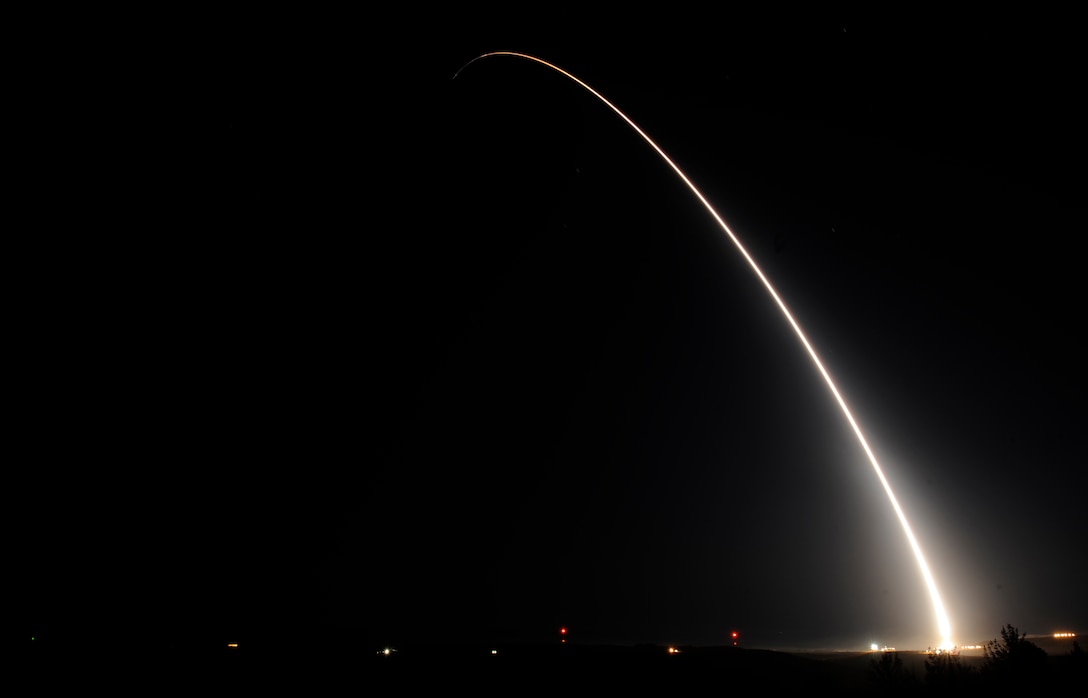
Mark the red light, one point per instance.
(562, 631)
(734, 634)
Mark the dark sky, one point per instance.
(317, 336)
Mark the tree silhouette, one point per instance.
(890, 676)
(945, 672)
(1014, 661)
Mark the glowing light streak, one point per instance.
(942, 618)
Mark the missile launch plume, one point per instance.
(943, 624)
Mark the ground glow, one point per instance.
(943, 624)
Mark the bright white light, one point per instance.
(943, 625)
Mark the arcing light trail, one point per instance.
(942, 618)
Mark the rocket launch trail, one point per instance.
(943, 624)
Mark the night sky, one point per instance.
(317, 338)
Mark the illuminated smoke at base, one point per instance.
(942, 618)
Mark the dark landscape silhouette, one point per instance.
(1011, 661)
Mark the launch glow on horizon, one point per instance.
(943, 624)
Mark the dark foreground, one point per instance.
(500, 670)
(479, 670)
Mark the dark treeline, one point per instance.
(1010, 663)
